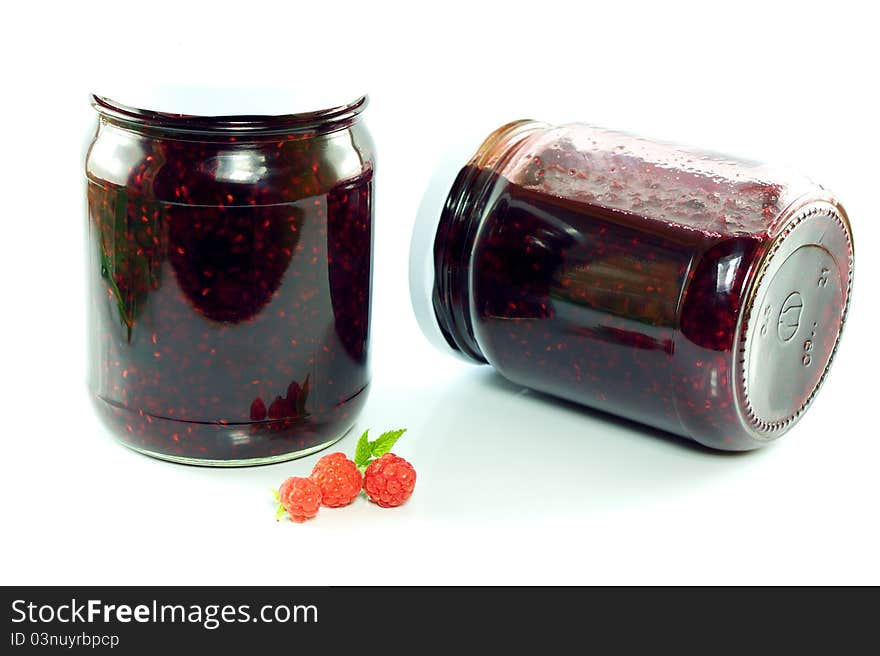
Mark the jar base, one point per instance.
(245, 462)
(793, 318)
(213, 444)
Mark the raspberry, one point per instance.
(258, 410)
(389, 480)
(279, 409)
(339, 480)
(300, 497)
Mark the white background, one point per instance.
(513, 487)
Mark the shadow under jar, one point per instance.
(229, 271)
(693, 292)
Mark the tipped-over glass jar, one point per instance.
(693, 292)
(229, 270)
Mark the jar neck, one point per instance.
(469, 200)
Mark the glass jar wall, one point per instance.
(229, 271)
(697, 293)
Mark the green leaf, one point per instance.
(362, 450)
(384, 443)
(279, 513)
(276, 495)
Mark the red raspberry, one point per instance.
(258, 410)
(300, 497)
(279, 409)
(389, 480)
(339, 480)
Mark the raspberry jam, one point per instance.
(692, 292)
(229, 268)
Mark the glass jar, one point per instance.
(229, 269)
(696, 293)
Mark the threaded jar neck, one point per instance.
(307, 124)
(467, 204)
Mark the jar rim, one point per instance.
(321, 120)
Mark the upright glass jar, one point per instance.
(229, 270)
(693, 292)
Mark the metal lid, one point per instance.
(793, 318)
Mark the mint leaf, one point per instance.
(279, 513)
(385, 442)
(362, 450)
(276, 495)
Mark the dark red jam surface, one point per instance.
(599, 305)
(230, 291)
